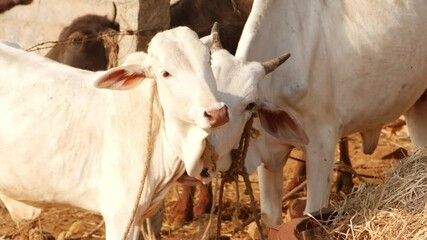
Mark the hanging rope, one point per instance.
(212, 212)
(238, 168)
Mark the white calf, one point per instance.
(64, 142)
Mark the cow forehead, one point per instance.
(237, 80)
(89, 23)
(234, 74)
(179, 48)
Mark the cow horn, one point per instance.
(272, 64)
(114, 12)
(216, 45)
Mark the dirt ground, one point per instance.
(67, 223)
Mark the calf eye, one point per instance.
(165, 74)
(250, 106)
(77, 40)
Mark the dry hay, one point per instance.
(394, 209)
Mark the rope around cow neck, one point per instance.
(149, 154)
(238, 168)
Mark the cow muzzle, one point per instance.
(217, 117)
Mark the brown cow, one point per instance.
(86, 50)
(200, 15)
(8, 4)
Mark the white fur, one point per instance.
(355, 66)
(238, 85)
(64, 142)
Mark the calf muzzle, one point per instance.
(218, 117)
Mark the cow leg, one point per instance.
(155, 223)
(370, 138)
(319, 165)
(271, 192)
(271, 161)
(137, 233)
(344, 181)
(116, 223)
(416, 119)
(270, 177)
(183, 211)
(20, 211)
(117, 214)
(204, 203)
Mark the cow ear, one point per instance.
(283, 126)
(121, 78)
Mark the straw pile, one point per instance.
(395, 209)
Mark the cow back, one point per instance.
(200, 15)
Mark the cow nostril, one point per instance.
(207, 115)
(218, 117)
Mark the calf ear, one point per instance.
(209, 40)
(121, 78)
(283, 126)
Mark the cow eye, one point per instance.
(77, 40)
(166, 74)
(250, 106)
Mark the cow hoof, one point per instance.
(344, 183)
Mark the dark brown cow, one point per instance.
(200, 15)
(8, 4)
(86, 51)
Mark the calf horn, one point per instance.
(272, 64)
(114, 12)
(216, 45)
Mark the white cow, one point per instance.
(355, 66)
(238, 83)
(64, 142)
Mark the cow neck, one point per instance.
(148, 154)
(169, 138)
